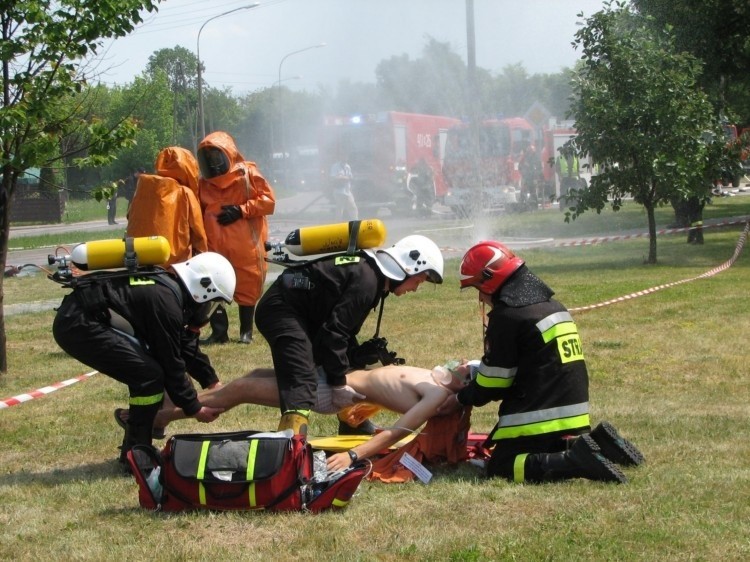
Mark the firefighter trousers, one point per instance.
(114, 354)
(291, 350)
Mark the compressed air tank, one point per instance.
(110, 254)
(329, 238)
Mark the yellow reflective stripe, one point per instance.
(346, 260)
(146, 400)
(202, 471)
(141, 281)
(339, 503)
(252, 456)
(540, 428)
(495, 377)
(559, 330)
(557, 318)
(493, 382)
(305, 413)
(519, 474)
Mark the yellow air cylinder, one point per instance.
(110, 254)
(329, 238)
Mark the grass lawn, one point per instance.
(668, 369)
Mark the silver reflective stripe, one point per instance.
(546, 323)
(497, 372)
(544, 415)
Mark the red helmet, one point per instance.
(487, 265)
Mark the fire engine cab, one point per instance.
(396, 158)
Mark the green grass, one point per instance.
(668, 369)
(80, 210)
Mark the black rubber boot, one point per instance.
(135, 434)
(219, 327)
(583, 460)
(246, 323)
(365, 428)
(615, 447)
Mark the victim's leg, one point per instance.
(257, 387)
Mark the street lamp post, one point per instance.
(281, 108)
(198, 52)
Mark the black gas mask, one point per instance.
(213, 162)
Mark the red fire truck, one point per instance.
(396, 158)
(487, 178)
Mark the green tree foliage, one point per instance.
(640, 116)
(181, 67)
(718, 33)
(42, 46)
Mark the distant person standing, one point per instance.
(341, 177)
(567, 168)
(235, 199)
(125, 188)
(131, 184)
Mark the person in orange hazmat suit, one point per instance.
(166, 204)
(236, 199)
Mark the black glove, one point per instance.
(229, 214)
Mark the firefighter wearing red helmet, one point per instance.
(534, 364)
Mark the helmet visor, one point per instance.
(213, 162)
(202, 312)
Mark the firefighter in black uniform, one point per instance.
(533, 362)
(139, 330)
(311, 315)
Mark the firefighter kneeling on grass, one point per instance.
(133, 328)
(534, 364)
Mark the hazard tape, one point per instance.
(599, 240)
(710, 273)
(8, 402)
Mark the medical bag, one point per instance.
(244, 470)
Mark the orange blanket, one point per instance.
(443, 440)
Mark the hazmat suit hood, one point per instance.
(180, 164)
(221, 144)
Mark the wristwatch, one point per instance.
(353, 455)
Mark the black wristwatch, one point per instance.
(353, 455)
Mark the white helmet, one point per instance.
(207, 277)
(410, 256)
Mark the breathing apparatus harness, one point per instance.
(90, 289)
(371, 351)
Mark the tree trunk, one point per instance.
(651, 234)
(5, 196)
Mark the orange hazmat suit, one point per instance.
(243, 241)
(166, 204)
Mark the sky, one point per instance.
(249, 49)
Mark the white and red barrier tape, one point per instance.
(599, 240)
(726, 265)
(8, 402)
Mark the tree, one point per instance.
(715, 31)
(639, 115)
(43, 46)
(181, 67)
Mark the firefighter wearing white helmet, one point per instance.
(312, 314)
(140, 328)
(533, 363)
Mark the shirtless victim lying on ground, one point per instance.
(411, 391)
